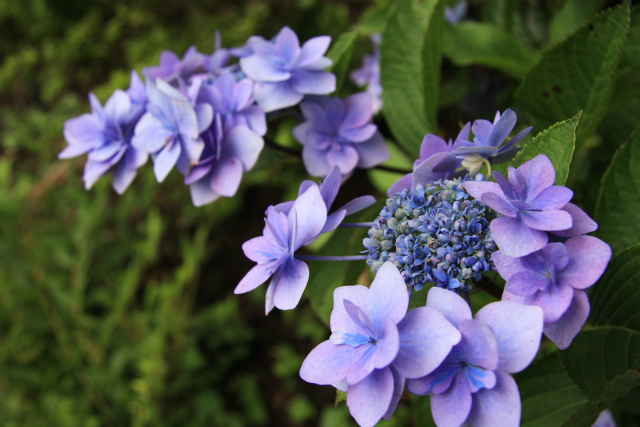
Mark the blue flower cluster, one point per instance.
(434, 234)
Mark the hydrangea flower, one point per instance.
(433, 151)
(369, 73)
(340, 133)
(284, 72)
(226, 156)
(454, 14)
(605, 419)
(170, 129)
(434, 234)
(172, 67)
(530, 205)
(489, 144)
(375, 345)
(329, 190)
(554, 279)
(274, 251)
(105, 135)
(473, 383)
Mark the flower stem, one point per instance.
(356, 224)
(392, 169)
(331, 258)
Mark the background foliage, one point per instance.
(119, 311)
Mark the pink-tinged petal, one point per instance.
(507, 266)
(401, 184)
(547, 220)
(166, 160)
(340, 321)
(275, 96)
(315, 161)
(306, 218)
(499, 204)
(432, 144)
(313, 82)
(478, 345)
(372, 152)
(369, 400)
(478, 188)
(398, 389)
(449, 304)
(426, 338)
(330, 186)
(552, 198)
(527, 283)
(358, 134)
(290, 279)
(201, 193)
(554, 301)
(262, 69)
(518, 329)
(499, 406)
(516, 239)
(451, 408)
(243, 144)
(254, 278)
(387, 345)
(226, 176)
(388, 297)
(539, 174)
(564, 330)
(327, 363)
(582, 223)
(312, 50)
(589, 257)
(358, 204)
(358, 110)
(345, 157)
(123, 177)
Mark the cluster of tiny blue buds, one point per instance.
(438, 234)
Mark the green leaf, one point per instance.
(340, 54)
(604, 360)
(577, 74)
(402, 72)
(557, 142)
(572, 14)
(432, 61)
(628, 74)
(470, 43)
(549, 397)
(618, 205)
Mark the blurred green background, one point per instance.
(119, 311)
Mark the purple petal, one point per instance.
(526, 283)
(308, 215)
(290, 281)
(82, 133)
(201, 193)
(122, 177)
(426, 337)
(243, 144)
(518, 329)
(93, 171)
(501, 130)
(358, 204)
(513, 141)
(563, 331)
(451, 408)
(372, 152)
(387, 345)
(200, 170)
(515, 239)
(388, 297)
(358, 134)
(369, 400)
(424, 174)
(333, 221)
(539, 174)
(546, 220)
(204, 115)
(275, 96)
(437, 381)
(106, 152)
(262, 69)
(589, 257)
(478, 188)
(316, 161)
(226, 176)
(449, 304)
(401, 184)
(287, 44)
(345, 157)
(254, 278)
(554, 301)
(358, 111)
(341, 322)
(499, 406)
(481, 129)
(313, 50)
(118, 106)
(499, 204)
(507, 266)
(313, 82)
(166, 160)
(398, 389)
(432, 144)
(256, 119)
(552, 198)
(315, 115)
(330, 186)
(327, 363)
(478, 345)
(582, 223)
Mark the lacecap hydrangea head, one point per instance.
(434, 234)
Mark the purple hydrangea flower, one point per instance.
(605, 419)
(105, 135)
(274, 251)
(170, 129)
(284, 72)
(530, 205)
(375, 345)
(473, 383)
(454, 14)
(172, 67)
(329, 190)
(489, 139)
(432, 152)
(340, 133)
(369, 74)
(550, 279)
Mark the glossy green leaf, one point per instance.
(340, 54)
(618, 205)
(403, 74)
(577, 74)
(557, 142)
(470, 43)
